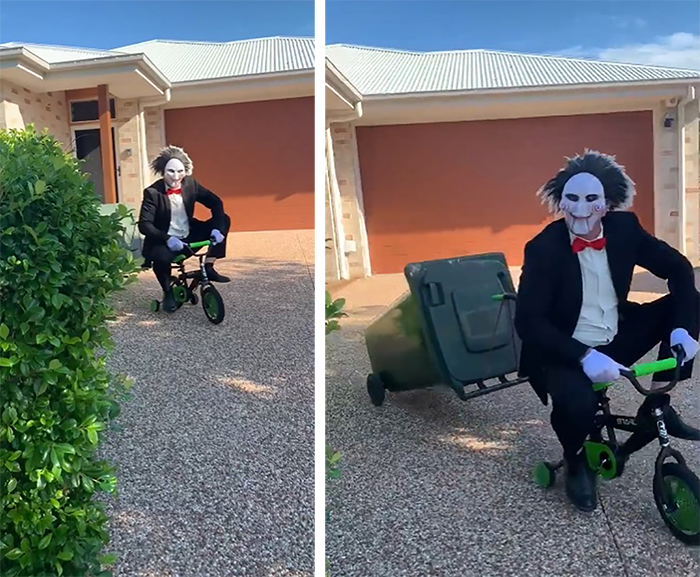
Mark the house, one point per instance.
(440, 154)
(244, 112)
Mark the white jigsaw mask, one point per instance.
(174, 173)
(583, 203)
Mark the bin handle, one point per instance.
(435, 295)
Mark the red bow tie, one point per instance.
(579, 244)
(174, 191)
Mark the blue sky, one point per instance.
(662, 32)
(109, 24)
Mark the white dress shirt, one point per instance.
(179, 223)
(597, 323)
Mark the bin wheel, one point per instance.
(376, 390)
(544, 474)
(155, 306)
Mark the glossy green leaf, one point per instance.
(108, 559)
(14, 554)
(44, 543)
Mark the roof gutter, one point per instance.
(341, 79)
(356, 114)
(25, 58)
(150, 102)
(264, 76)
(534, 89)
(109, 61)
(24, 54)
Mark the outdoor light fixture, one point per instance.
(668, 121)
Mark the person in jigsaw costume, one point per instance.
(573, 315)
(167, 222)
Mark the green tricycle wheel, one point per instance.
(544, 474)
(155, 306)
(180, 294)
(602, 459)
(680, 505)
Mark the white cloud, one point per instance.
(680, 50)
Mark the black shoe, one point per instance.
(580, 483)
(169, 304)
(675, 426)
(214, 276)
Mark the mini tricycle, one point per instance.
(184, 284)
(676, 488)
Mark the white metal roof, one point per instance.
(196, 61)
(376, 71)
(192, 61)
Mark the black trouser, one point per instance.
(162, 256)
(574, 403)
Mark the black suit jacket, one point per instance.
(154, 219)
(550, 292)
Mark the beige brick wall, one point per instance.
(155, 134)
(344, 146)
(691, 150)
(127, 139)
(666, 177)
(20, 107)
(668, 182)
(331, 245)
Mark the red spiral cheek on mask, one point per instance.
(598, 207)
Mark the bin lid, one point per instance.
(462, 321)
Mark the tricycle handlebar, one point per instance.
(190, 250)
(644, 369)
(200, 244)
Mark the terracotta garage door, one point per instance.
(258, 156)
(450, 189)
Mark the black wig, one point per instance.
(166, 155)
(618, 187)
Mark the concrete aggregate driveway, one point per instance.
(215, 456)
(434, 486)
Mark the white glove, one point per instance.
(600, 368)
(689, 344)
(175, 244)
(216, 237)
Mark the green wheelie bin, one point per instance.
(452, 327)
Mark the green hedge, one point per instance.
(60, 263)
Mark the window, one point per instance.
(88, 110)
